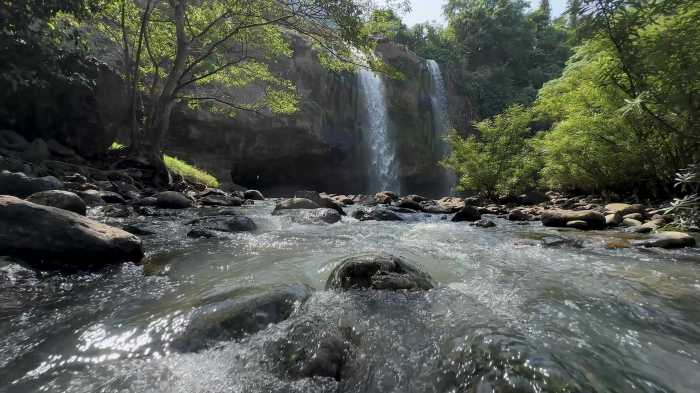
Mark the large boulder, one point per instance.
(295, 203)
(61, 199)
(668, 240)
(376, 214)
(44, 233)
(20, 185)
(467, 213)
(378, 271)
(231, 316)
(173, 200)
(560, 218)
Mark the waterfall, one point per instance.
(441, 123)
(374, 123)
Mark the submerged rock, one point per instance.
(378, 271)
(65, 200)
(220, 200)
(20, 185)
(254, 195)
(667, 240)
(43, 233)
(376, 214)
(484, 224)
(311, 216)
(468, 213)
(232, 316)
(518, 215)
(173, 200)
(560, 218)
(234, 223)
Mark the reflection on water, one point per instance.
(513, 311)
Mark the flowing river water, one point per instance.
(517, 308)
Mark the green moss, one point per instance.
(117, 146)
(190, 172)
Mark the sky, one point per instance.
(431, 10)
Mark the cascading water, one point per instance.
(374, 122)
(441, 122)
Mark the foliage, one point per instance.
(686, 210)
(190, 172)
(116, 146)
(498, 162)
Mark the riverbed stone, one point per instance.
(409, 204)
(295, 203)
(111, 197)
(378, 271)
(634, 216)
(559, 218)
(173, 200)
(20, 185)
(44, 233)
(467, 213)
(311, 216)
(329, 203)
(631, 222)
(483, 223)
(377, 213)
(254, 195)
(231, 316)
(668, 240)
(578, 224)
(624, 209)
(386, 197)
(613, 220)
(518, 215)
(220, 200)
(229, 223)
(65, 200)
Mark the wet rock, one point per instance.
(557, 242)
(484, 223)
(111, 197)
(376, 214)
(467, 213)
(313, 196)
(313, 348)
(331, 204)
(60, 199)
(138, 230)
(667, 240)
(433, 208)
(416, 198)
(578, 224)
(624, 209)
(37, 151)
(311, 216)
(518, 215)
(409, 204)
(386, 197)
(559, 218)
(295, 203)
(220, 200)
(343, 200)
(13, 141)
(198, 233)
(116, 211)
(173, 200)
(54, 235)
(231, 316)
(378, 271)
(532, 198)
(229, 224)
(76, 178)
(147, 201)
(254, 195)
(634, 216)
(630, 222)
(20, 185)
(91, 197)
(613, 220)
(147, 211)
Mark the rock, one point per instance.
(532, 198)
(484, 224)
(416, 198)
(295, 203)
(127, 190)
(20, 185)
(343, 200)
(376, 214)
(138, 230)
(91, 197)
(634, 216)
(667, 240)
(220, 200)
(559, 218)
(12, 141)
(231, 316)
(630, 222)
(313, 196)
(37, 151)
(613, 220)
(386, 197)
(378, 271)
(577, 224)
(111, 197)
(409, 204)
(654, 224)
(60, 199)
(173, 200)
(468, 213)
(147, 211)
(254, 195)
(56, 148)
(639, 229)
(76, 178)
(198, 233)
(147, 201)
(116, 211)
(311, 216)
(433, 208)
(44, 233)
(518, 215)
(556, 242)
(623, 208)
(451, 203)
(331, 204)
(229, 224)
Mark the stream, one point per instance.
(517, 308)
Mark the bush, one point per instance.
(190, 172)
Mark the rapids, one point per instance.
(516, 308)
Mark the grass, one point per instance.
(182, 168)
(190, 172)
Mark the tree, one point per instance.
(204, 52)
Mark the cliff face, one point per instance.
(321, 146)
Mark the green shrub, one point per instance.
(190, 172)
